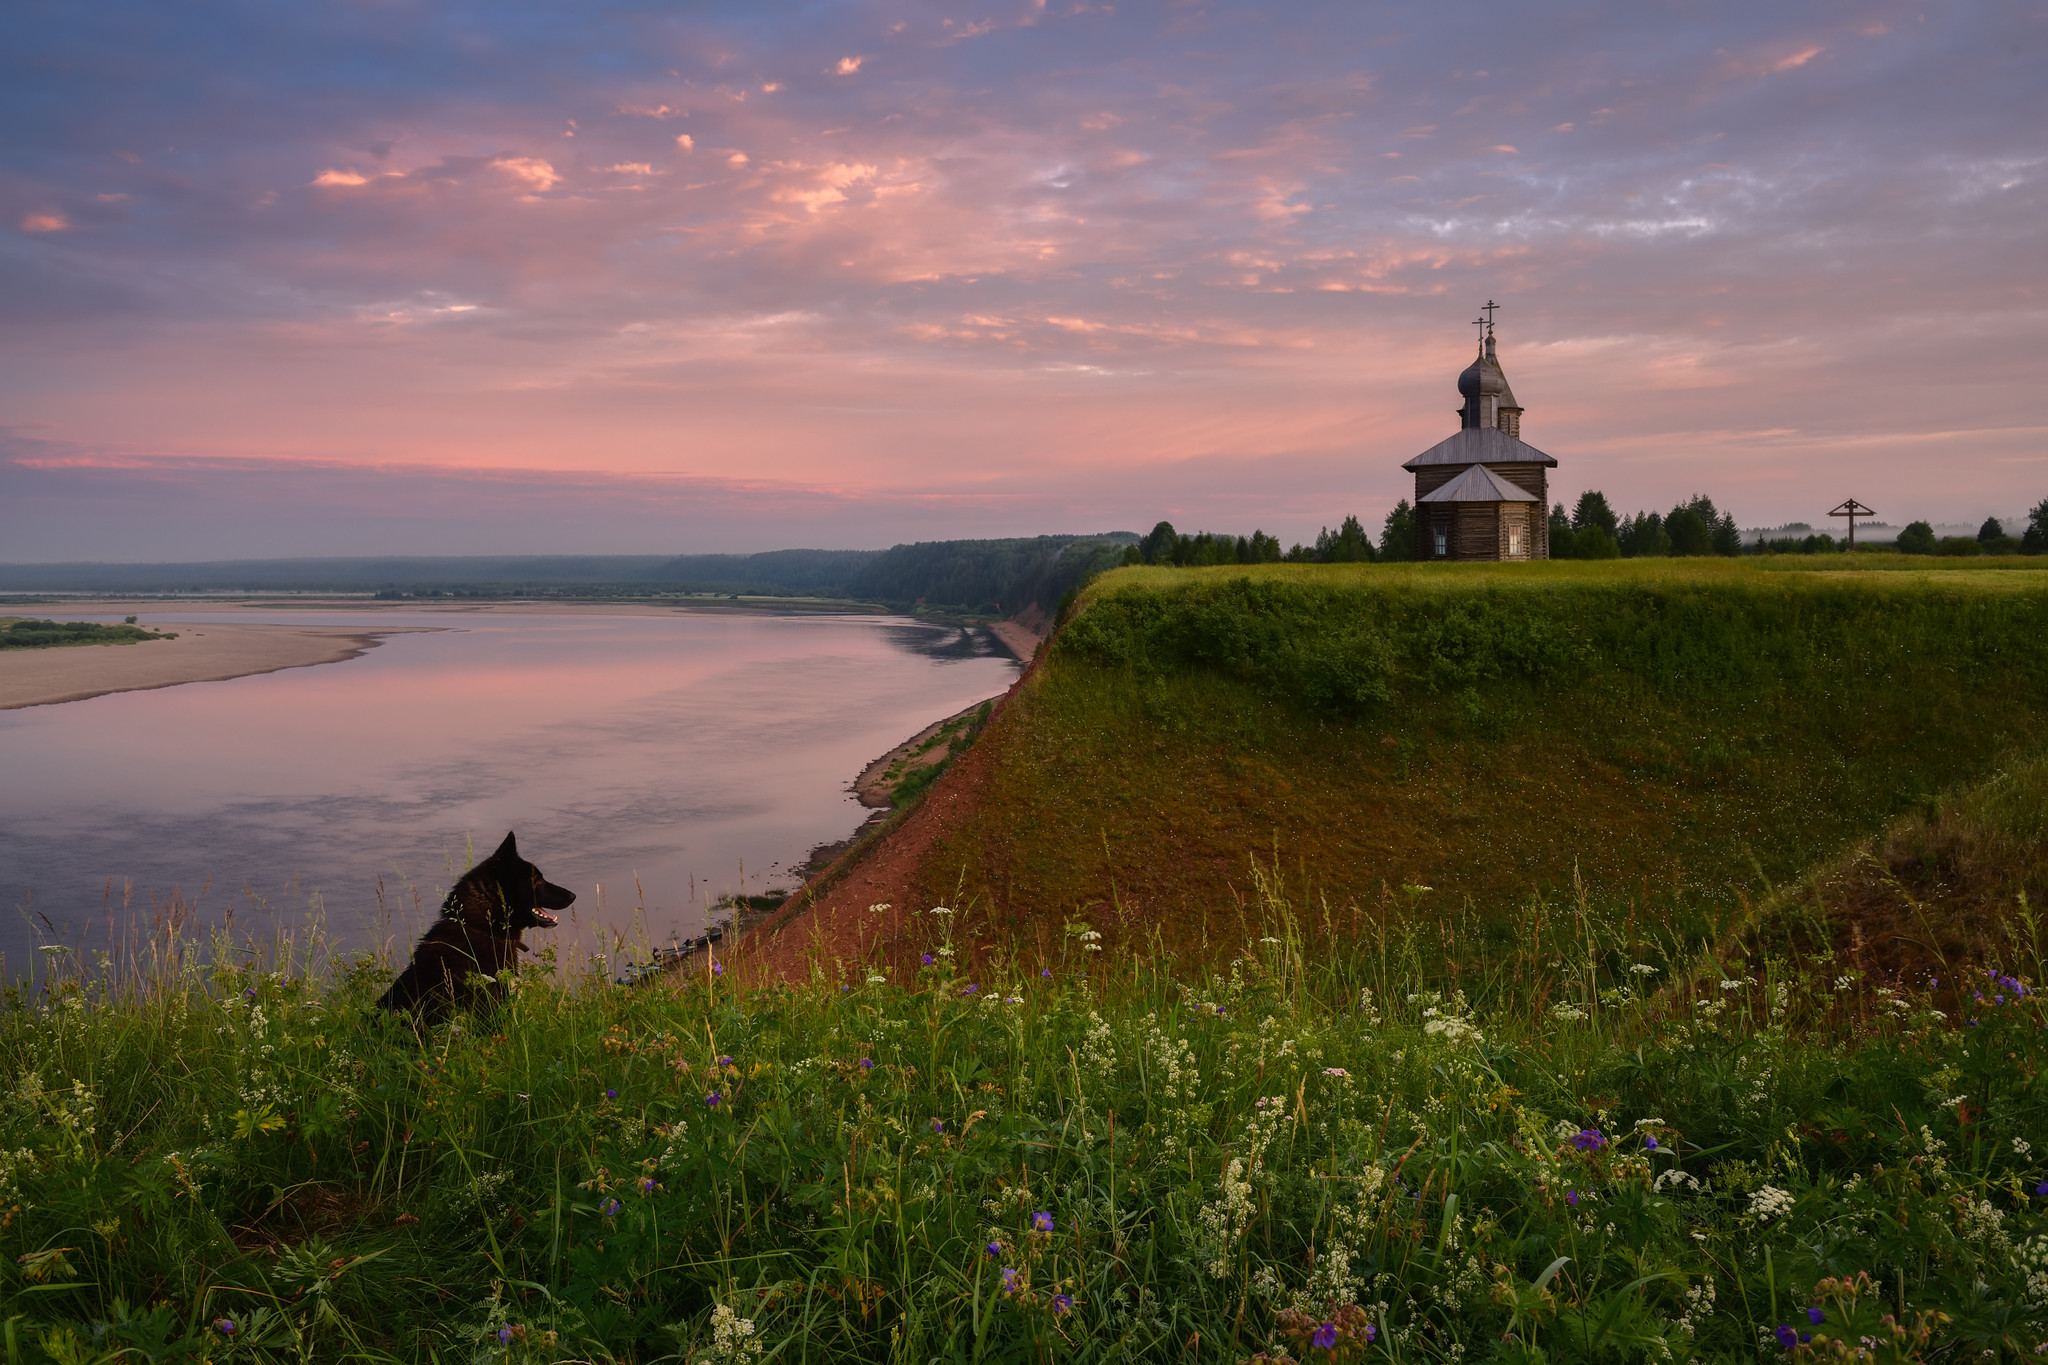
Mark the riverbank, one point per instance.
(211, 652)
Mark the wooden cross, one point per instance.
(1488, 310)
(1852, 509)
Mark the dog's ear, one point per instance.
(508, 849)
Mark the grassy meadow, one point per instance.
(1612, 1141)
(1675, 734)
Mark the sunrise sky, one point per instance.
(389, 277)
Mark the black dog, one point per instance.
(477, 935)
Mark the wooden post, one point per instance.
(1852, 509)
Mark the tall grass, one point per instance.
(1086, 1158)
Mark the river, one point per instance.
(651, 761)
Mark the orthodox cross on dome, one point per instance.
(1488, 310)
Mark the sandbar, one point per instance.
(209, 652)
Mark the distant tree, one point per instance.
(1563, 543)
(1916, 539)
(1262, 549)
(1348, 544)
(1397, 534)
(1991, 530)
(1592, 510)
(1642, 537)
(1959, 545)
(2035, 541)
(1158, 547)
(1689, 532)
(1594, 543)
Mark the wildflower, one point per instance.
(1815, 1316)
(609, 1208)
(1041, 1221)
(941, 910)
(1063, 1303)
(718, 969)
(969, 989)
(1787, 1337)
(647, 1185)
(1046, 972)
(2041, 1188)
(713, 1100)
(1770, 1202)
(926, 960)
(1572, 1197)
(876, 978)
(879, 909)
(993, 1249)
(938, 1125)
(225, 1326)
(1326, 1336)
(1589, 1140)
(725, 1061)
(251, 993)
(611, 1094)
(867, 1064)
(1339, 1072)
(505, 1333)
(1011, 1283)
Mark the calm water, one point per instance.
(672, 749)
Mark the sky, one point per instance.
(375, 276)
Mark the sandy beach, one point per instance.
(201, 653)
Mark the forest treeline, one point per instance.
(1591, 530)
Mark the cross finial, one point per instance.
(1488, 310)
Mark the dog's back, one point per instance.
(477, 935)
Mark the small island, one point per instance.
(21, 632)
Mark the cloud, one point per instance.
(531, 171)
(44, 222)
(333, 178)
(848, 65)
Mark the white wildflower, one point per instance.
(1770, 1202)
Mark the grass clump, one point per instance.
(1089, 1158)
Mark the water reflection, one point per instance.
(649, 762)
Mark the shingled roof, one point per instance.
(1481, 445)
(1479, 484)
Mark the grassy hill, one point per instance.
(1672, 735)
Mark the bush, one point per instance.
(1958, 545)
(1916, 539)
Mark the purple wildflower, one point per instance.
(251, 993)
(969, 989)
(2041, 1188)
(725, 1061)
(1371, 1331)
(867, 1064)
(647, 1184)
(1650, 1143)
(1326, 1336)
(505, 1333)
(993, 1249)
(1063, 1303)
(1010, 1283)
(1815, 1316)
(713, 1100)
(1041, 1222)
(609, 1208)
(1786, 1337)
(1046, 972)
(1590, 1140)
(225, 1326)
(927, 960)
(1572, 1197)
(611, 1094)
(938, 1125)
(718, 969)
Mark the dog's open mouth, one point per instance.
(546, 921)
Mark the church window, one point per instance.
(1514, 540)
(1443, 541)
